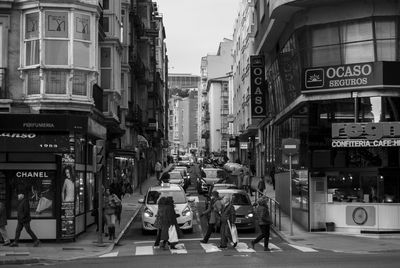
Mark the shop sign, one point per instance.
(350, 76)
(243, 145)
(33, 142)
(258, 86)
(384, 134)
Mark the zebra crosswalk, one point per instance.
(187, 247)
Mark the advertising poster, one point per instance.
(68, 197)
(38, 186)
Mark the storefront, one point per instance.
(49, 159)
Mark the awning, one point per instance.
(142, 141)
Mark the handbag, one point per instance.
(43, 204)
(172, 234)
(234, 233)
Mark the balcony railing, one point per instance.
(4, 94)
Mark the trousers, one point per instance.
(27, 226)
(264, 234)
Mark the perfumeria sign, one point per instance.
(351, 76)
(258, 86)
(385, 134)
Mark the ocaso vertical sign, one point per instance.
(258, 86)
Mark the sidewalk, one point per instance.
(334, 241)
(85, 244)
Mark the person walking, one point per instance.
(111, 203)
(168, 220)
(264, 221)
(24, 221)
(272, 175)
(228, 216)
(246, 182)
(157, 223)
(158, 168)
(213, 214)
(3, 223)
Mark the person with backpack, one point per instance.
(264, 221)
(212, 213)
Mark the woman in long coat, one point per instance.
(167, 218)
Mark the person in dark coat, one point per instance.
(24, 221)
(167, 219)
(212, 212)
(157, 223)
(227, 214)
(3, 223)
(264, 221)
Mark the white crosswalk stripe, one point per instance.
(303, 249)
(144, 250)
(271, 246)
(242, 247)
(111, 254)
(210, 248)
(180, 249)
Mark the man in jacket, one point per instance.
(227, 214)
(212, 212)
(3, 223)
(264, 221)
(24, 221)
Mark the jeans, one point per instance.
(264, 234)
(210, 230)
(27, 226)
(3, 233)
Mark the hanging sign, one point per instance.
(258, 86)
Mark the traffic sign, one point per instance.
(290, 146)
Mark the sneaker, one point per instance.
(267, 249)
(7, 243)
(203, 241)
(36, 243)
(13, 244)
(234, 244)
(222, 246)
(252, 244)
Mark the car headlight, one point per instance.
(148, 213)
(186, 211)
(250, 215)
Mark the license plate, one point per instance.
(238, 221)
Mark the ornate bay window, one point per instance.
(59, 58)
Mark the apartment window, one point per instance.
(56, 38)
(79, 83)
(33, 84)
(385, 31)
(326, 47)
(56, 82)
(32, 39)
(105, 64)
(106, 24)
(106, 4)
(82, 40)
(358, 45)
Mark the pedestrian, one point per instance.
(111, 203)
(213, 215)
(246, 182)
(228, 216)
(272, 175)
(24, 221)
(164, 178)
(3, 223)
(158, 168)
(159, 216)
(168, 221)
(260, 187)
(264, 221)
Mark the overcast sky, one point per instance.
(194, 28)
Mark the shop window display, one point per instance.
(38, 185)
(80, 193)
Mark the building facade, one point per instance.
(330, 70)
(67, 83)
(211, 67)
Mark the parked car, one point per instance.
(209, 177)
(182, 207)
(245, 216)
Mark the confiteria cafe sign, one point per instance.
(385, 134)
(351, 76)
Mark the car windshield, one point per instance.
(238, 199)
(175, 175)
(178, 196)
(214, 173)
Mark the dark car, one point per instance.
(245, 217)
(209, 177)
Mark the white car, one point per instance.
(182, 207)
